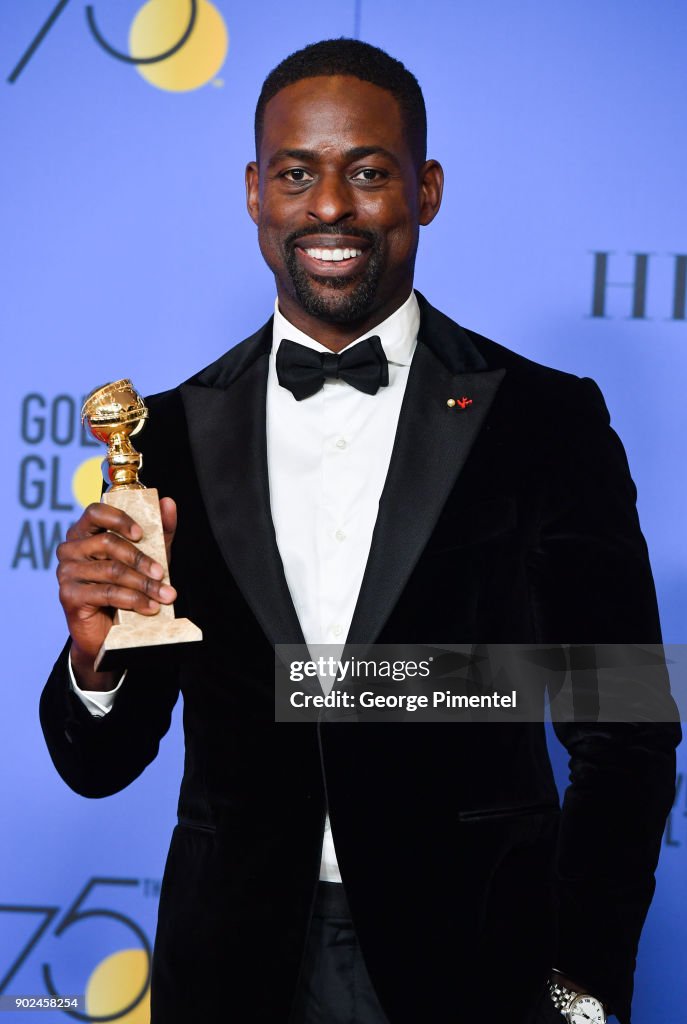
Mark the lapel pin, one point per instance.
(462, 403)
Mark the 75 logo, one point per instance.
(100, 39)
(74, 915)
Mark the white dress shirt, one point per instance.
(327, 457)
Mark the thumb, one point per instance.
(168, 511)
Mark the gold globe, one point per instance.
(113, 413)
(114, 408)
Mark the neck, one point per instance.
(336, 337)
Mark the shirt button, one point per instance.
(340, 535)
(337, 630)
(341, 443)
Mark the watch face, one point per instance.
(586, 1010)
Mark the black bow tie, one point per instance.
(303, 370)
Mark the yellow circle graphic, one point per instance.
(160, 24)
(87, 481)
(115, 983)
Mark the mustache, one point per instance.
(330, 229)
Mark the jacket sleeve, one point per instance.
(97, 757)
(592, 584)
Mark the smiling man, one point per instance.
(330, 487)
(339, 191)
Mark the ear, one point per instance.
(431, 181)
(253, 191)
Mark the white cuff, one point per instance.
(98, 702)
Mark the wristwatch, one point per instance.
(577, 1007)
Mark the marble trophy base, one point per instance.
(133, 635)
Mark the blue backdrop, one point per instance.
(127, 251)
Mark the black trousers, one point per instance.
(335, 987)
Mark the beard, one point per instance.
(334, 301)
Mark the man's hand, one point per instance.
(99, 570)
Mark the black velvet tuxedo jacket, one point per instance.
(513, 521)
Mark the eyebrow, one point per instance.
(310, 156)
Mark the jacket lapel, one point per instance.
(432, 444)
(225, 411)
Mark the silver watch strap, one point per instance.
(562, 997)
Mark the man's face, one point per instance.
(338, 199)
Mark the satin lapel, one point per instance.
(226, 427)
(431, 446)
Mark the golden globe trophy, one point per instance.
(113, 414)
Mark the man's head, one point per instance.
(341, 185)
(356, 59)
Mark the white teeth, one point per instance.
(334, 254)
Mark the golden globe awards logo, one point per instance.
(57, 476)
(176, 45)
(114, 988)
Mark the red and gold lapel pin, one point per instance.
(462, 403)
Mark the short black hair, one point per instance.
(361, 60)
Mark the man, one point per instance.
(323, 498)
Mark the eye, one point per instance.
(297, 175)
(371, 174)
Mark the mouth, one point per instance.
(337, 257)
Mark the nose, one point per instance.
(330, 199)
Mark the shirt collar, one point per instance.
(398, 333)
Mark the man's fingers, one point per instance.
(168, 511)
(114, 574)
(100, 567)
(81, 599)
(98, 517)
(108, 546)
